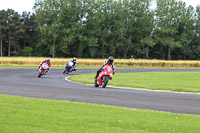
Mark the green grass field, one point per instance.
(173, 81)
(28, 115)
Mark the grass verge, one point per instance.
(173, 81)
(22, 115)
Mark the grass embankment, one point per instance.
(173, 81)
(21, 61)
(27, 115)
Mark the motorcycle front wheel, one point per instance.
(65, 71)
(40, 74)
(105, 81)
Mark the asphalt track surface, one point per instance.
(24, 82)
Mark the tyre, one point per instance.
(70, 70)
(95, 84)
(105, 81)
(39, 75)
(64, 71)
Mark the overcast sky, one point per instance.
(27, 5)
(194, 3)
(17, 5)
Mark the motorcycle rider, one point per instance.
(47, 61)
(74, 63)
(108, 62)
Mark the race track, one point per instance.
(24, 82)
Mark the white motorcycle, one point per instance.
(69, 68)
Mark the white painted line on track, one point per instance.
(66, 78)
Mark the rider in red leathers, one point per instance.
(47, 61)
(108, 62)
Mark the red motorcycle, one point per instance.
(105, 75)
(42, 70)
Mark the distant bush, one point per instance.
(27, 51)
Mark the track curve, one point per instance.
(24, 82)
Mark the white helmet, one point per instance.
(74, 59)
(48, 60)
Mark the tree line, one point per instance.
(100, 28)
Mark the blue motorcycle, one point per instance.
(69, 68)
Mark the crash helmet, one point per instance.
(74, 59)
(110, 59)
(48, 60)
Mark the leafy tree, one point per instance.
(168, 17)
(99, 28)
(47, 13)
(90, 26)
(186, 30)
(3, 28)
(28, 25)
(11, 28)
(195, 47)
(146, 22)
(148, 42)
(27, 51)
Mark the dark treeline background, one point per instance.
(99, 28)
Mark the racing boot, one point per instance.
(95, 81)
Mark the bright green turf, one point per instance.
(27, 115)
(174, 81)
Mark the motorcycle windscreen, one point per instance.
(109, 69)
(69, 64)
(45, 66)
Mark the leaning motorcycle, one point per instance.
(42, 70)
(69, 68)
(104, 77)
